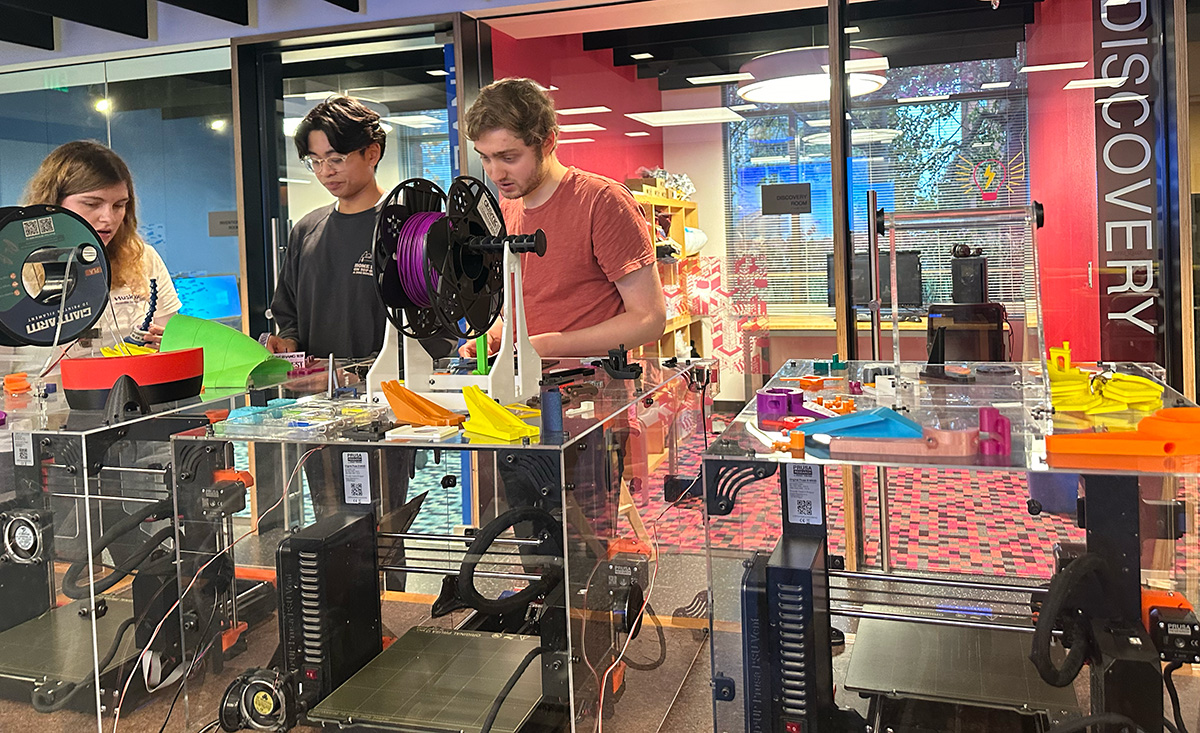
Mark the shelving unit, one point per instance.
(681, 214)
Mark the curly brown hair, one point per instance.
(86, 165)
(521, 106)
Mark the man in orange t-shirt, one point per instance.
(596, 287)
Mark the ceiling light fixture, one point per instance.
(673, 117)
(1112, 83)
(576, 140)
(917, 100)
(869, 64)
(581, 127)
(769, 159)
(850, 29)
(719, 78)
(641, 56)
(1122, 97)
(862, 136)
(438, 72)
(995, 85)
(414, 120)
(1052, 67)
(103, 105)
(583, 111)
(639, 133)
(218, 124)
(799, 75)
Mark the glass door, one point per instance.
(406, 75)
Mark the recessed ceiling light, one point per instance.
(861, 136)
(878, 63)
(720, 78)
(1112, 83)
(103, 105)
(931, 98)
(576, 140)
(995, 85)
(641, 56)
(219, 124)
(414, 120)
(817, 123)
(743, 107)
(639, 133)
(438, 72)
(701, 116)
(1124, 97)
(583, 111)
(769, 159)
(851, 29)
(1052, 67)
(581, 127)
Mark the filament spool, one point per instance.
(50, 254)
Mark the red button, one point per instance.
(312, 675)
(793, 727)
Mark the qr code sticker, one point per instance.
(356, 489)
(37, 227)
(804, 507)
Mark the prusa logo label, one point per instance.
(38, 227)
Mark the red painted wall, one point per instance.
(588, 79)
(1062, 174)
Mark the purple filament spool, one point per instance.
(410, 257)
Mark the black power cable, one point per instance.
(1174, 694)
(490, 720)
(1074, 626)
(662, 646)
(1080, 725)
(70, 584)
(51, 699)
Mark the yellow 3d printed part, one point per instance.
(413, 409)
(491, 420)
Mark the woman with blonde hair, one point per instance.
(91, 180)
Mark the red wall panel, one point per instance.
(1062, 174)
(588, 79)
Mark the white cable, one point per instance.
(257, 522)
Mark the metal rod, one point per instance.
(854, 613)
(457, 538)
(863, 605)
(446, 571)
(958, 218)
(164, 472)
(101, 497)
(880, 577)
(424, 558)
(873, 269)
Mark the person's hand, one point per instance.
(277, 345)
(153, 337)
(467, 350)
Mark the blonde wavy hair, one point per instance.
(86, 165)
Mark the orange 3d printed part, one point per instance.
(413, 409)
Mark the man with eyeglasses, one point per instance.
(325, 301)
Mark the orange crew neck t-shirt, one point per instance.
(595, 235)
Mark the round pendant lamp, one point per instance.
(798, 75)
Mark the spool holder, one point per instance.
(478, 276)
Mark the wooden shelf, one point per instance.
(663, 201)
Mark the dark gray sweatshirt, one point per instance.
(326, 298)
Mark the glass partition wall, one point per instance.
(169, 116)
